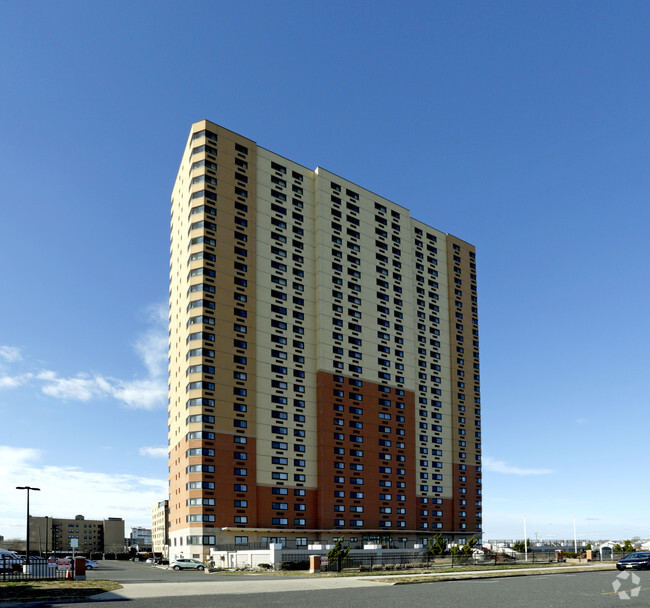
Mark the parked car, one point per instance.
(183, 563)
(10, 561)
(91, 564)
(639, 560)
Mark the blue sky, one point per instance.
(521, 127)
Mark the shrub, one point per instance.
(265, 566)
(363, 568)
(337, 552)
(296, 565)
(520, 546)
(390, 566)
(437, 545)
(377, 567)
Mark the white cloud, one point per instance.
(80, 388)
(14, 381)
(146, 392)
(16, 459)
(10, 353)
(152, 349)
(500, 466)
(153, 452)
(68, 491)
(159, 313)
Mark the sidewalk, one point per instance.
(152, 590)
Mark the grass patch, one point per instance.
(29, 591)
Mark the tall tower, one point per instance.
(323, 359)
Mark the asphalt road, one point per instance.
(570, 590)
(139, 572)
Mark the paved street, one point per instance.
(198, 590)
(139, 572)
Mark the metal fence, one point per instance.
(394, 560)
(368, 561)
(11, 569)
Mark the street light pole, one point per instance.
(28, 488)
(525, 539)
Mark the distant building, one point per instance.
(140, 538)
(52, 534)
(159, 526)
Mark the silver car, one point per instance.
(184, 563)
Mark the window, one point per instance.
(199, 452)
(200, 418)
(280, 521)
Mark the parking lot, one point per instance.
(140, 572)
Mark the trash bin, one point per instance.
(79, 569)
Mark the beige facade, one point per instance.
(53, 534)
(324, 371)
(159, 527)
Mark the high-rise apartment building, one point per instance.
(323, 359)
